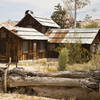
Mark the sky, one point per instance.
(15, 9)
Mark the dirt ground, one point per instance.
(21, 97)
(41, 66)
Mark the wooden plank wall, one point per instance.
(11, 45)
(14, 48)
(30, 22)
(31, 54)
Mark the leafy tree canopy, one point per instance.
(64, 16)
(59, 16)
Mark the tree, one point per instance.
(69, 8)
(87, 17)
(69, 5)
(59, 16)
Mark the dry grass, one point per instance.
(41, 66)
(85, 66)
(21, 97)
(52, 66)
(45, 66)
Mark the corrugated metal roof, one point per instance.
(85, 36)
(27, 33)
(45, 21)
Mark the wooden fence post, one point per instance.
(5, 80)
(5, 75)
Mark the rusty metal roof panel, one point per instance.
(85, 36)
(46, 21)
(28, 33)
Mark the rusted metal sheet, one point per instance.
(84, 36)
(58, 37)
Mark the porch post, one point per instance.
(34, 50)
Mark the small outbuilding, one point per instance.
(89, 38)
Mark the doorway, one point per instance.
(3, 50)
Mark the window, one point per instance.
(51, 47)
(3, 48)
(25, 47)
(41, 46)
(3, 35)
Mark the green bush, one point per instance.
(76, 54)
(63, 59)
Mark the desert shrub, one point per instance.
(63, 59)
(76, 54)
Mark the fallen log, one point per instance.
(42, 81)
(63, 74)
(50, 81)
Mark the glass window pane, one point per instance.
(25, 47)
(42, 46)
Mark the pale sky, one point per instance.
(15, 9)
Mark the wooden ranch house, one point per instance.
(35, 38)
(39, 23)
(21, 44)
(89, 38)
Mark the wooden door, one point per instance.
(13, 50)
(3, 51)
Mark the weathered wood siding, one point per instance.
(14, 48)
(30, 22)
(11, 45)
(32, 52)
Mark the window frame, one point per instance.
(25, 47)
(42, 46)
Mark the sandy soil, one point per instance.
(21, 97)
